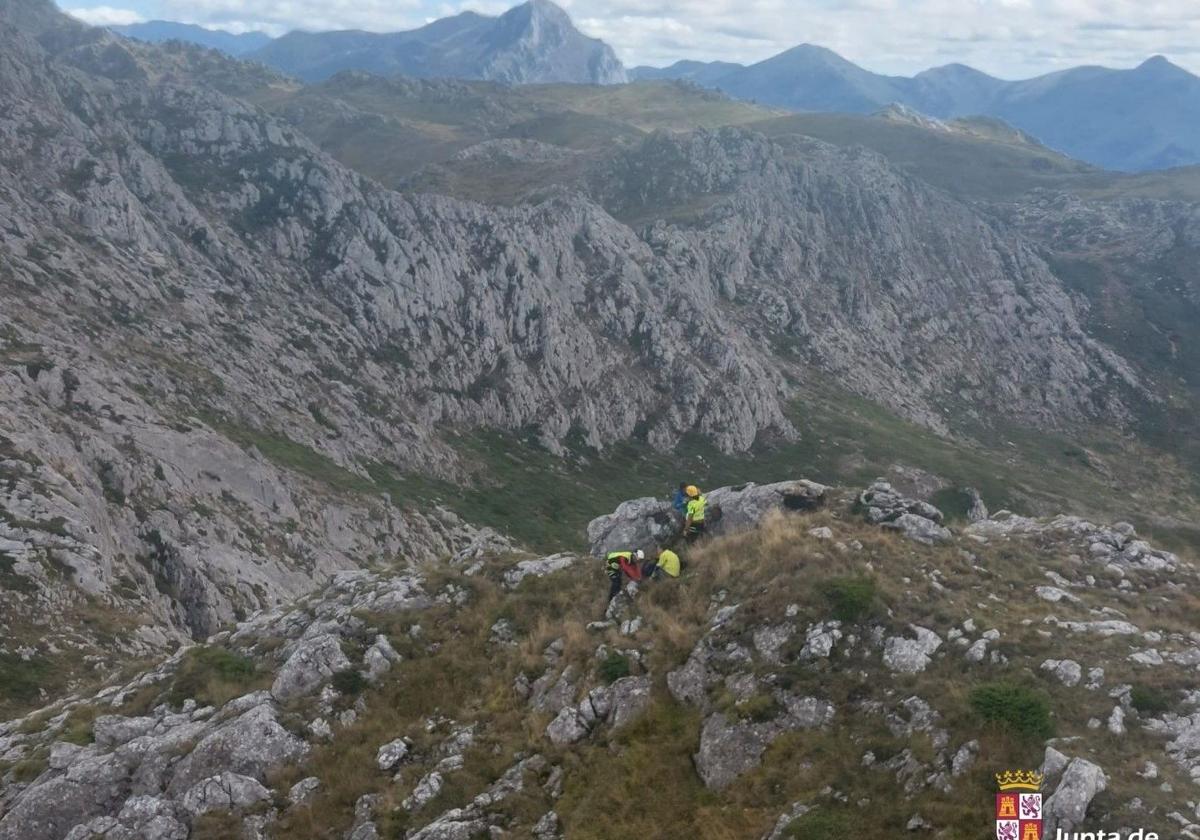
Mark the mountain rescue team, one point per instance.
(692, 505)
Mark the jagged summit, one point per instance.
(533, 42)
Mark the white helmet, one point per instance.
(639, 554)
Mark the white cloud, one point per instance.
(105, 16)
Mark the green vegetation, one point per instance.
(822, 824)
(1149, 700)
(21, 680)
(77, 729)
(849, 599)
(349, 682)
(287, 453)
(614, 667)
(1014, 708)
(212, 676)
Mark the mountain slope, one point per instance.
(1139, 119)
(156, 31)
(533, 42)
(809, 675)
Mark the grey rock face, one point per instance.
(744, 506)
(249, 745)
(915, 519)
(538, 568)
(1067, 671)
(223, 792)
(1067, 807)
(639, 523)
(313, 662)
(911, 656)
(727, 750)
(391, 754)
(651, 523)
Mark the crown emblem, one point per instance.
(1020, 780)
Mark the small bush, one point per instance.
(850, 599)
(1015, 708)
(212, 676)
(821, 824)
(349, 682)
(614, 667)
(759, 708)
(77, 729)
(954, 503)
(29, 769)
(1149, 700)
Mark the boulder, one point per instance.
(223, 792)
(727, 750)
(112, 731)
(919, 529)
(649, 523)
(1066, 808)
(313, 662)
(379, 658)
(540, 568)
(303, 791)
(911, 656)
(249, 745)
(569, 727)
(628, 699)
(639, 523)
(1066, 671)
(744, 506)
(391, 754)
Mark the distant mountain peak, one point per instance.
(535, 42)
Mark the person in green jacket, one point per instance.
(694, 525)
(612, 568)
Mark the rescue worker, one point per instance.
(694, 525)
(679, 501)
(666, 564)
(612, 567)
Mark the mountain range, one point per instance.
(1144, 118)
(1140, 119)
(158, 31)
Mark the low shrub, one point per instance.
(349, 682)
(1149, 700)
(1014, 708)
(850, 599)
(614, 667)
(212, 676)
(821, 824)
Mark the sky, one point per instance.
(1007, 38)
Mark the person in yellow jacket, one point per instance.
(666, 564)
(612, 568)
(694, 523)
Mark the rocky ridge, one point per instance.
(765, 669)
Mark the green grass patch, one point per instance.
(21, 681)
(822, 824)
(1014, 708)
(284, 452)
(850, 599)
(213, 676)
